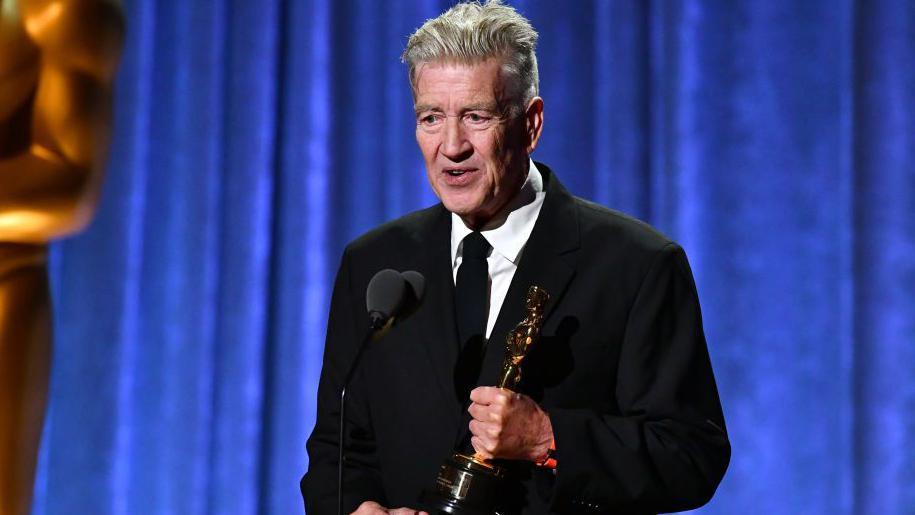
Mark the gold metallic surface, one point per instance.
(522, 337)
(477, 459)
(57, 63)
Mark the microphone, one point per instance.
(417, 284)
(389, 295)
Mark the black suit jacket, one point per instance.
(622, 369)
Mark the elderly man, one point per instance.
(617, 411)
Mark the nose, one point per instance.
(455, 145)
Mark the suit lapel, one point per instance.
(548, 261)
(437, 322)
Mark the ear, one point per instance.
(533, 119)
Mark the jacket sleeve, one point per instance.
(361, 476)
(667, 449)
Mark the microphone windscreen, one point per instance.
(417, 283)
(385, 293)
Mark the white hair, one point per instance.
(472, 32)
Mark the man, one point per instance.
(57, 63)
(617, 411)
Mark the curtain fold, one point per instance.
(884, 246)
(773, 139)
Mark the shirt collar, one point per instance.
(510, 229)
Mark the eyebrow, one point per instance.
(485, 106)
(424, 107)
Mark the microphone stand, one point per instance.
(378, 323)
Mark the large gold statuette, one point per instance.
(470, 485)
(57, 65)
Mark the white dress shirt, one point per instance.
(507, 232)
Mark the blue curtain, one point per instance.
(774, 139)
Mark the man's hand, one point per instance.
(508, 425)
(373, 508)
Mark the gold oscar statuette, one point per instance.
(470, 485)
(57, 65)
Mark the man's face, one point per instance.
(476, 153)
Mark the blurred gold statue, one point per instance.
(57, 62)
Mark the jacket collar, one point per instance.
(548, 261)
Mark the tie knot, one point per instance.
(475, 246)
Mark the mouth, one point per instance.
(457, 172)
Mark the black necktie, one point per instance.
(471, 302)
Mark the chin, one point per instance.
(466, 204)
(459, 208)
(459, 202)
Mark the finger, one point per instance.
(477, 411)
(475, 427)
(486, 430)
(502, 397)
(489, 444)
(485, 394)
(370, 508)
(491, 395)
(480, 448)
(499, 396)
(495, 413)
(490, 413)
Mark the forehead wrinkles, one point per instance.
(468, 85)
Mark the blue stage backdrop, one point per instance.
(774, 139)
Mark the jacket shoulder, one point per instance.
(602, 225)
(404, 233)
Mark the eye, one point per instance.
(477, 118)
(429, 119)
